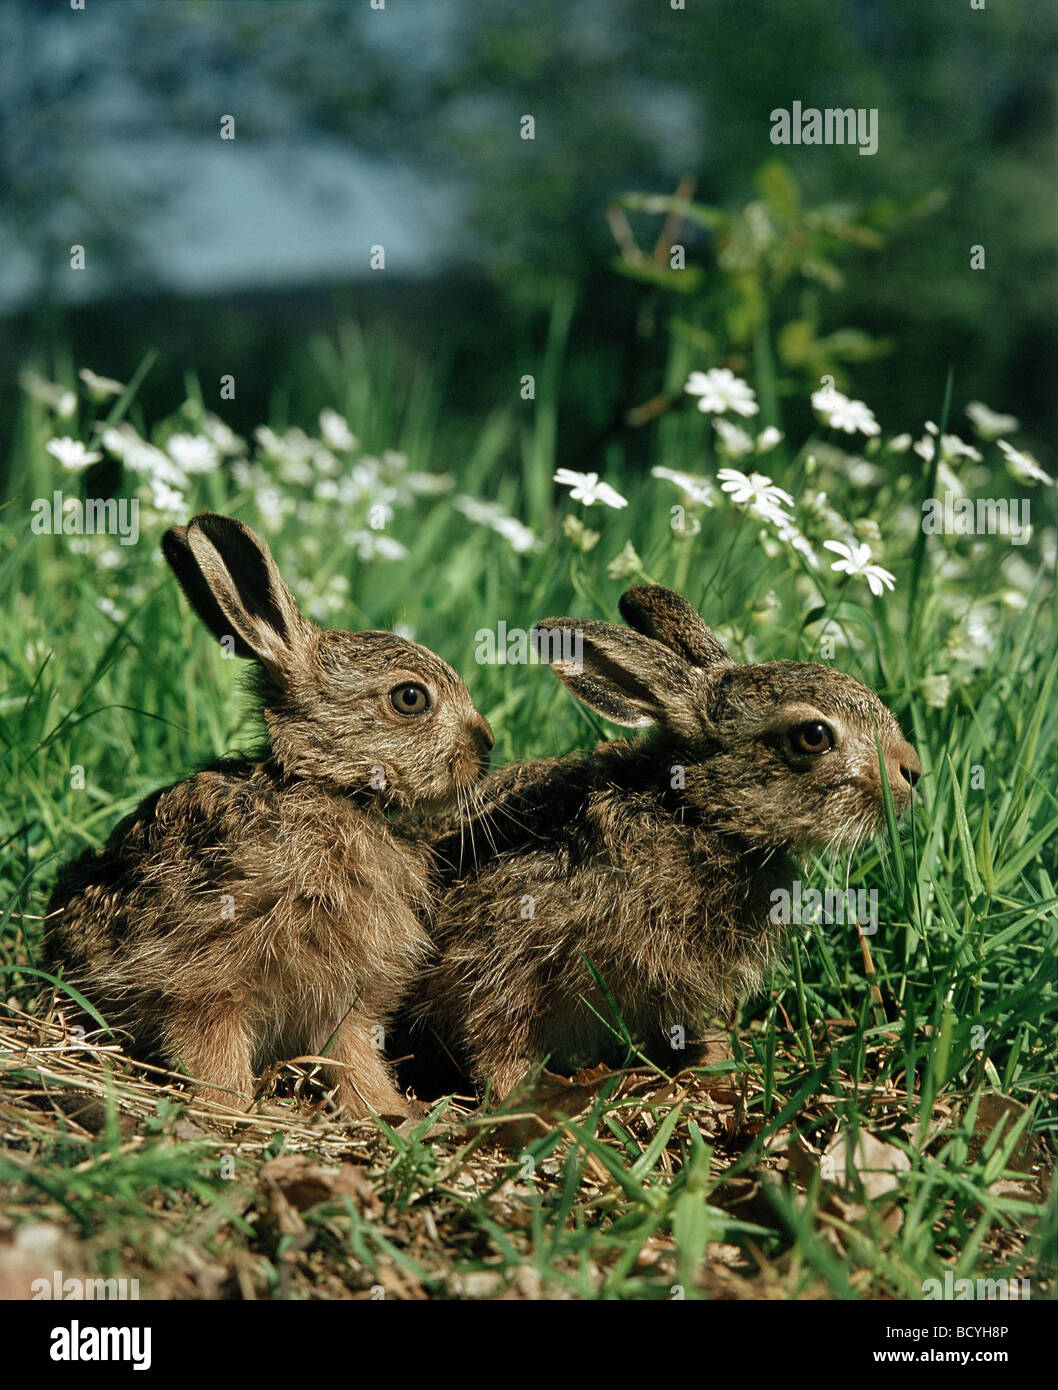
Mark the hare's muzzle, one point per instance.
(903, 770)
(475, 743)
(482, 738)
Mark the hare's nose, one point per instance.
(907, 760)
(481, 733)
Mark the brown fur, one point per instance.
(654, 859)
(251, 912)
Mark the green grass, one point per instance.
(934, 1036)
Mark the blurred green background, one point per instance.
(401, 127)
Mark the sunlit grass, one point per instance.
(110, 689)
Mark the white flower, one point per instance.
(334, 597)
(979, 627)
(71, 453)
(989, 424)
(110, 609)
(768, 438)
(518, 536)
(861, 473)
(625, 565)
(756, 492)
(142, 457)
(192, 453)
(294, 445)
(798, 541)
(365, 475)
(379, 515)
(948, 480)
(973, 640)
(721, 390)
(336, 432)
(428, 484)
(224, 439)
(925, 448)
(818, 506)
(856, 559)
(370, 545)
(581, 537)
(952, 448)
(100, 387)
(324, 462)
(684, 528)
(119, 439)
(734, 440)
(586, 488)
(831, 632)
(167, 499)
(272, 505)
(474, 509)
(269, 441)
(59, 399)
(248, 476)
(936, 690)
(766, 609)
(899, 444)
(841, 413)
(697, 489)
(297, 471)
(1023, 577)
(1019, 465)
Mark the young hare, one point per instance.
(267, 907)
(653, 860)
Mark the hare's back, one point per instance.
(235, 879)
(669, 913)
(176, 844)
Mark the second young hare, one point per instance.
(267, 907)
(653, 860)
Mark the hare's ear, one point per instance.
(669, 618)
(630, 680)
(233, 584)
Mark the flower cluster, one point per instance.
(329, 485)
(324, 480)
(811, 525)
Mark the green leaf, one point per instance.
(74, 994)
(962, 827)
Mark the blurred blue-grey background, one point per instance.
(357, 127)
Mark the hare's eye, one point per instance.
(811, 738)
(409, 699)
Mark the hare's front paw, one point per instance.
(364, 1086)
(504, 1077)
(213, 1048)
